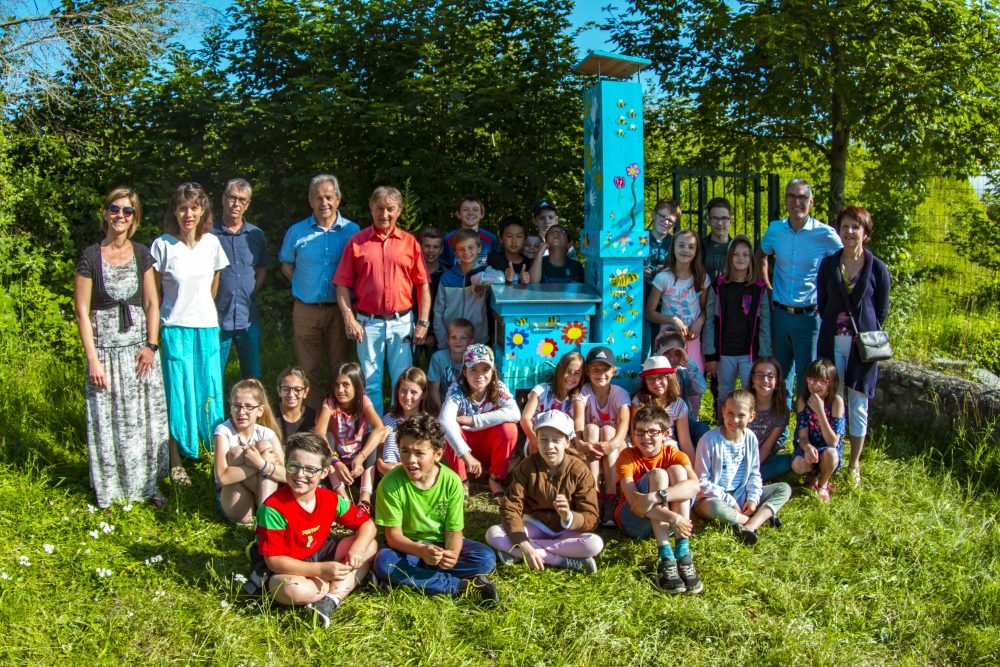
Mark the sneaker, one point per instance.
(774, 521)
(691, 581)
(505, 558)
(483, 587)
(585, 565)
(747, 537)
(323, 610)
(668, 578)
(608, 512)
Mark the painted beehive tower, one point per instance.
(613, 237)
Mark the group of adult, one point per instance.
(157, 324)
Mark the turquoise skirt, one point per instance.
(192, 378)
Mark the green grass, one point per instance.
(903, 571)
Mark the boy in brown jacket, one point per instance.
(551, 503)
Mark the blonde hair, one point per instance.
(256, 389)
(133, 198)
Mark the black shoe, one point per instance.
(667, 577)
(747, 537)
(323, 610)
(774, 521)
(691, 581)
(608, 506)
(483, 587)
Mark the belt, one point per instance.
(321, 304)
(804, 310)
(399, 314)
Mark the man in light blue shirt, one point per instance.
(799, 243)
(309, 257)
(246, 248)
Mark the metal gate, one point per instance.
(694, 188)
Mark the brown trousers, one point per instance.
(318, 331)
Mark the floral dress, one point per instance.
(127, 433)
(809, 419)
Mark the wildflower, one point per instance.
(153, 560)
(129, 614)
(65, 518)
(159, 594)
(239, 578)
(48, 548)
(128, 507)
(223, 604)
(23, 560)
(4, 576)
(91, 509)
(94, 534)
(106, 528)
(103, 572)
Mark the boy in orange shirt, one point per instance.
(657, 485)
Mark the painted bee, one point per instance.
(623, 278)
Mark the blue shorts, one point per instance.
(635, 526)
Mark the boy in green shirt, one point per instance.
(420, 503)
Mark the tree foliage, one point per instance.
(914, 84)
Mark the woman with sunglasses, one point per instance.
(187, 260)
(118, 315)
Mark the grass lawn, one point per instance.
(903, 571)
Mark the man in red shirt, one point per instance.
(380, 268)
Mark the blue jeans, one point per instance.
(775, 466)
(794, 339)
(386, 343)
(404, 570)
(247, 349)
(635, 526)
(729, 369)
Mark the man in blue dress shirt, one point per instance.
(246, 248)
(309, 257)
(799, 243)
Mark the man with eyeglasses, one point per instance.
(310, 255)
(799, 243)
(246, 248)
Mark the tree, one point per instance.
(913, 84)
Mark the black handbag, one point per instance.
(871, 346)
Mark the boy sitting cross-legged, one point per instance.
(551, 504)
(295, 556)
(420, 503)
(728, 467)
(657, 484)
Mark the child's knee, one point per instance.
(496, 535)
(607, 433)
(677, 473)
(593, 544)
(658, 479)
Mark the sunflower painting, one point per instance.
(574, 333)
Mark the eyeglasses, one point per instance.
(286, 390)
(718, 220)
(765, 376)
(822, 381)
(233, 199)
(798, 198)
(295, 469)
(115, 209)
(237, 408)
(659, 217)
(648, 433)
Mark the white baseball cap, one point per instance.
(556, 419)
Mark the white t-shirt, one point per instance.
(232, 439)
(603, 415)
(679, 298)
(676, 411)
(187, 280)
(547, 400)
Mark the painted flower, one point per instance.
(517, 338)
(633, 170)
(619, 182)
(547, 348)
(574, 333)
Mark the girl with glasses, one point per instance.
(771, 423)
(293, 415)
(249, 461)
(820, 426)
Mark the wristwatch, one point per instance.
(424, 323)
(153, 346)
(662, 495)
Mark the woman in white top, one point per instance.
(187, 260)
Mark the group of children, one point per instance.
(594, 456)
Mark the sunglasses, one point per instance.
(115, 209)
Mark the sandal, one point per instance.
(179, 476)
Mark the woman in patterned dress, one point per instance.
(118, 315)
